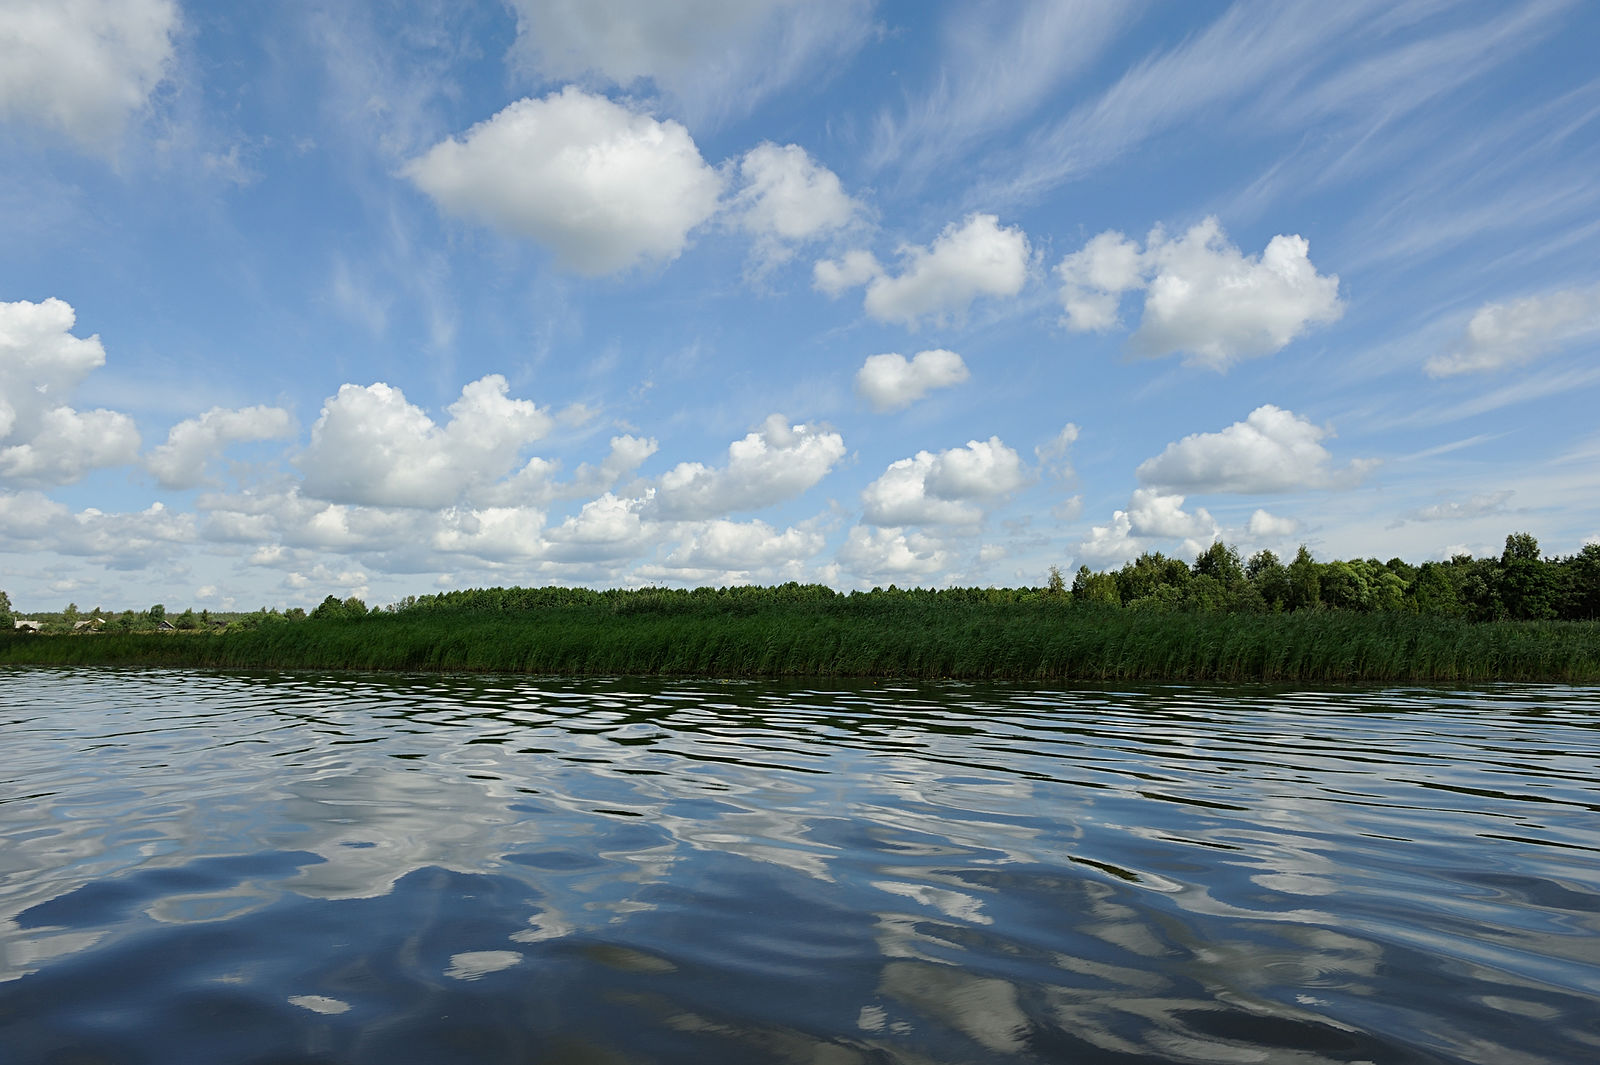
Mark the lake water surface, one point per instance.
(219, 868)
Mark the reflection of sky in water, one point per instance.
(1182, 872)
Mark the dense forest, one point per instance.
(1518, 617)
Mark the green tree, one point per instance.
(328, 610)
(158, 613)
(1583, 584)
(1528, 585)
(1220, 561)
(7, 620)
(1090, 587)
(1433, 592)
(1056, 586)
(1305, 581)
(1271, 579)
(187, 621)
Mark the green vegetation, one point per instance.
(1518, 617)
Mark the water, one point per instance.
(228, 868)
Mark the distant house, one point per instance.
(88, 625)
(165, 626)
(28, 625)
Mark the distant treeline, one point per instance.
(1519, 585)
(1518, 617)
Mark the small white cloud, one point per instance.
(1203, 297)
(1264, 526)
(602, 187)
(943, 489)
(371, 446)
(1509, 334)
(1273, 450)
(786, 195)
(776, 462)
(977, 258)
(889, 382)
(940, 281)
(854, 268)
(84, 67)
(193, 443)
(43, 441)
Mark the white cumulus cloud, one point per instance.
(776, 462)
(892, 553)
(1265, 526)
(1158, 514)
(943, 489)
(371, 446)
(601, 186)
(787, 195)
(853, 268)
(891, 382)
(193, 443)
(720, 544)
(1508, 334)
(84, 67)
(1273, 450)
(43, 440)
(1203, 297)
(940, 281)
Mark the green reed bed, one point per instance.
(862, 638)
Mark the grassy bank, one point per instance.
(1037, 641)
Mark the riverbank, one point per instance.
(1037, 641)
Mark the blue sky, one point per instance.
(381, 298)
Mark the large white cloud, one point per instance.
(1508, 334)
(193, 443)
(891, 382)
(776, 462)
(601, 186)
(943, 489)
(609, 527)
(83, 66)
(371, 446)
(1203, 297)
(1273, 450)
(939, 281)
(32, 522)
(1158, 514)
(710, 57)
(893, 553)
(736, 546)
(43, 441)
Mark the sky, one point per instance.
(381, 298)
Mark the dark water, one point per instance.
(215, 868)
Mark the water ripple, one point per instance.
(356, 868)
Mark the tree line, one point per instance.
(1519, 585)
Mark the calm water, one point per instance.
(217, 868)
